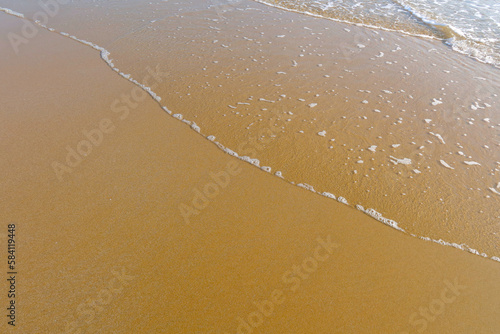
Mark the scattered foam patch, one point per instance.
(254, 162)
(493, 190)
(342, 200)
(195, 127)
(404, 161)
(445, 164)
(436, 102)
(438, 136)
(266, 168)
(327, 194)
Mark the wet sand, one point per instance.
(331, 92)
(107, 250)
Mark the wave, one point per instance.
(454, 37)
(403, 19)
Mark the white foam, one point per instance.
(254, 162)
(378, 216)
(11, 12)
(342, 200)
(463, 247)
(327, 194)
(445, 164)
(438, 136)
(306, 186)
(436, 102)
(404, 161)
(195, 127)
(472, 163)
(493, 190)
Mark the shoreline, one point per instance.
(197, 273)
(105, 56)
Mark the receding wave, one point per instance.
(471, 29)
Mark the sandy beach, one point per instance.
(129, 220)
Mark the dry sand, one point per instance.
(106, 249)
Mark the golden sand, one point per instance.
(107, 250)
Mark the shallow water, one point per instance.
(470, 27)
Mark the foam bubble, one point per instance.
(472, 163)
(266, 168)
(306, 186)
(327, 194)
(404, 161)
